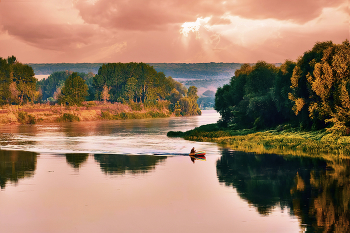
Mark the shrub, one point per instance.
(107, 115)
(25, 118)
(68, 117)
(136, 106)
(175, 134)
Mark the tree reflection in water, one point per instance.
(317, 191)
(76, 160)
(16, 165)
(120, 164)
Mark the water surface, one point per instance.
(104, 177)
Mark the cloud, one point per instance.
(299, 11)
(168, 30)
(157, 14)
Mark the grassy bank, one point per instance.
(280, 141)
(90, 111)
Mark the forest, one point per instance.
(311, 93)
(205, 76)
(125, 83)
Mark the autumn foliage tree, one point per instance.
(320, 88)
(330, 81)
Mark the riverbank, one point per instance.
(286, 142)
(90, 111)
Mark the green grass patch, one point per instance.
(288, 142)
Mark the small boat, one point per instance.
(198, 154)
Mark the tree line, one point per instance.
(17, 82)
(114, 82)
(311, 93)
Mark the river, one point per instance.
(128, 176)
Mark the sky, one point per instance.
(170, 31)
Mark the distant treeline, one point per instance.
(312, 93)
(202, 75)
(190, 74)
(176, 70)
(115, 82)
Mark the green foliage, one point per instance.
(74, 91)
(55, 81)
(140, 83)
(132, 81)
(51, 86)
(17, 82)
(248, 101)
(313, 92)
(106, 115)
(175, 134)
(5, 81)
(320, 89)
(25, 118)
(301, 89)
(68, 117)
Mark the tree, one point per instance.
(130, 89)
(193, 97)
(55, 81)
(5, 81)
(17, 82)
(74, 90)
(104, 94)
(282, 87)
(330, 82)
(23, 75)
(301, 93)
(247, 101)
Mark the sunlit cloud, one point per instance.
(92, 2)
(188, 27)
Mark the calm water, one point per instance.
(105, 177)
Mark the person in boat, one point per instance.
(193, 151)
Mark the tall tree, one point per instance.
(17, 82)
(24, 77)
(301, 93)
(74, 90)
(5, 81)
(105, 94)
(330, 82)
